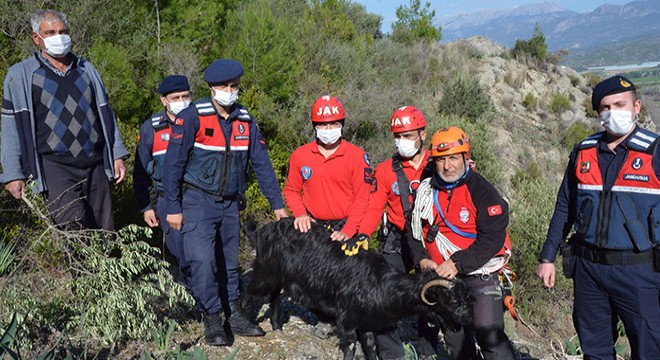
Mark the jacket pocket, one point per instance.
(584, 215)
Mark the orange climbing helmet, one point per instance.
(407, 118)
(451, 140)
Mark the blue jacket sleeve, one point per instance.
(142, 183)
(182, 140)
(564, 214)
(263, 168)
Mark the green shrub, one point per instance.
(463, 96)
(415, 22)
(592, 79)
(535, 46)
(531, 206)
(588, 110)
(119, 288)
(530, 174)
(530, 101)
(575, 81)
(575, 133)
(559, 103)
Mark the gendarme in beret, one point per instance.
(614, 85)
(223, 70)
(173, 83)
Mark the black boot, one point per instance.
(214, 333)
(240, 325)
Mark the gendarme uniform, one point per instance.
(153, 140)
(205, 178)
(611, 199)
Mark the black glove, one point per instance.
(353, 245)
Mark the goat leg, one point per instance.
(276, 310)
(368, 343)
(347, 341)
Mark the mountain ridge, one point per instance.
(564, 29)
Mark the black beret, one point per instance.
(174, 83)
(223, 70)
(614, 85)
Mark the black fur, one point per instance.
(358, 293)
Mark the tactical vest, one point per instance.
(627, 216)
(218, 166)
(161, 138)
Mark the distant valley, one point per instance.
(608, 35)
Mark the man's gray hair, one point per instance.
(38, 17)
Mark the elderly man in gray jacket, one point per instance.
(59, 130)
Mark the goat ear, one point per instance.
(250, 226)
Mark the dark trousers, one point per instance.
(487, 326)
(606, 293)
(78, 198)
(173, 241)
(211, 231)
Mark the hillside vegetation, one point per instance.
(522, 115)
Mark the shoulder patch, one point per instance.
(495, 210)
(395, 188)
(642, 139)
(205, 108)
(369, 175)
(590, 141)
(306, 172)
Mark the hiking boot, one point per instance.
(239, 324)
(214, 333)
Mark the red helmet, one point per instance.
(407, 118)
(327, 109)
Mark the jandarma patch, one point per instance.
(637, 163)
(585, 166)
(636, 177)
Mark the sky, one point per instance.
(387, 8)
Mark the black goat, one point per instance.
(359, 294)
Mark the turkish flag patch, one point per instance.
(494, 210)
(178, 121)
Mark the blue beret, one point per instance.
(173, 83)
(614, 85)
(223, 70)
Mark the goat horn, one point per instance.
(437, 282)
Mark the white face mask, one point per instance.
(406, 147)
(328, 136)
(57, 45)
(177, 106)
(225, 98)
(617, 122)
